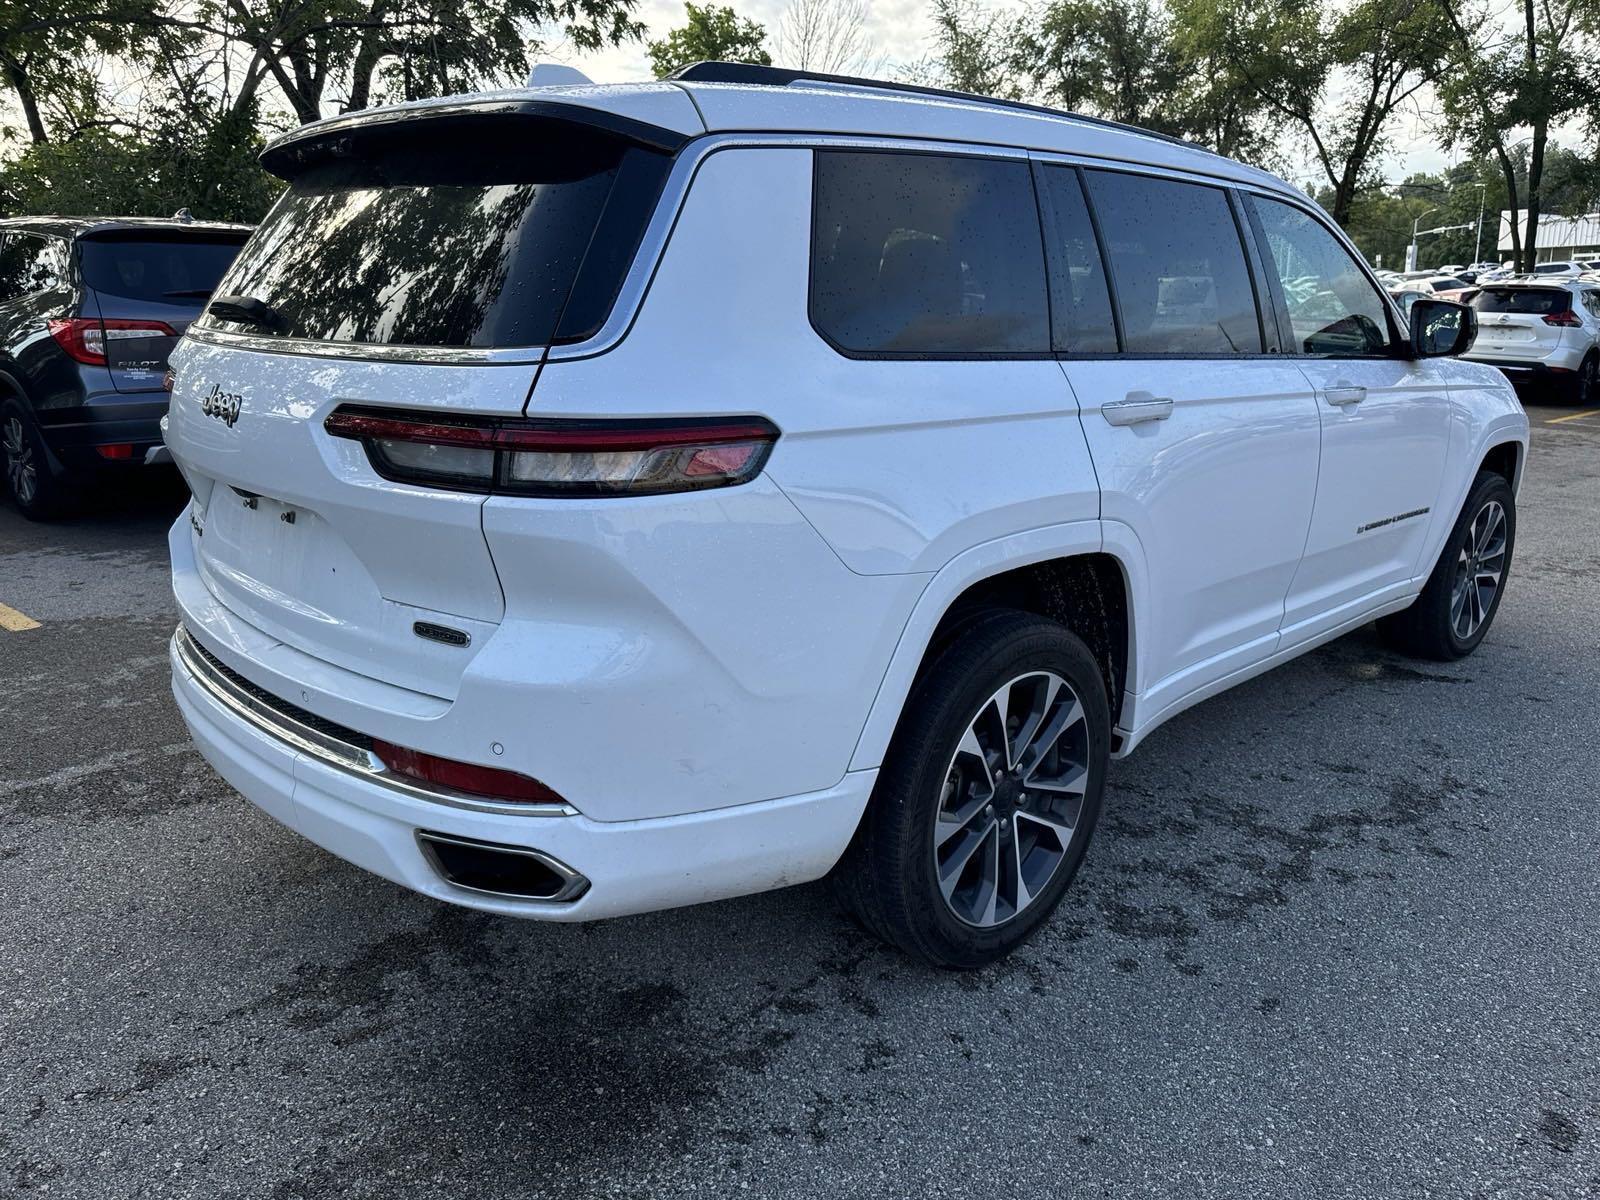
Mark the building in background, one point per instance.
(1560, 238)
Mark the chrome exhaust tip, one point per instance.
(506, 872)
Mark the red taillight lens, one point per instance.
(1568, 319)
(489, 782)
(120, 452)
(560, 458)
(85, 338)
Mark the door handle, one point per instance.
(1343, 394)
(1137, 408)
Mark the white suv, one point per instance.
(609, 498)
(1542, 332)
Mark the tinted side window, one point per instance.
(927, 254)
(32, 263)
(1178, 265)
(1080, 303)
(1333, 309)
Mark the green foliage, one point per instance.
(146, 173)
(712, 34)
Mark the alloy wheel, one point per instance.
(1011, 800)
(1479, 570)
(22, 473)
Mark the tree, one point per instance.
(1533, 73)
(1290, 55)
(1113, 58)
(827, 36)
(711, 34)
(975, 50)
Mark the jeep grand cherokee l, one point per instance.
(609, 498)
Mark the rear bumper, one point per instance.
(1559, 363)
(106, 420)
(629, 866)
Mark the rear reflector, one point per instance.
(559, 458)
(491, 783)
(118, 453)
(85, 338)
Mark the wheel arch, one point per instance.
(1505, 459)
(1068, 574)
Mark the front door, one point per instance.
(1386, 423)
(1205, 445)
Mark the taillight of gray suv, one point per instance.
(89, 311)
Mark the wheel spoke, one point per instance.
(1068, 713)
(1039, 712)
(1059, 828)
(973, 752)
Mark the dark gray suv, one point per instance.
(89, 310)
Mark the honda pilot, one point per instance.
(611, 498)
(89, 311)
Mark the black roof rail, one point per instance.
(753, 73)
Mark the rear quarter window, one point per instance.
(927, 254)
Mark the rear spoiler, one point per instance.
(339, 137)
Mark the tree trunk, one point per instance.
(1509, 170)
(17, 76)
(1530, 250)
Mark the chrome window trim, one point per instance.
(658, 235)
(325, 748)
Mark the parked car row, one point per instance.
(1540, 329)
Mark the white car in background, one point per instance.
(1543, 332)
(1557, 270)
(610, 498)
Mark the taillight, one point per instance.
(559, 458)
(1568, 319)
(85, 338)
(489, 782)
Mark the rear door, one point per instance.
(1205, 442)
(146, 285)
(1386, 423)
(419, 274)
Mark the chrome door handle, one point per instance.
(1136, 409)
(1344, 394)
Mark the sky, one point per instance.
(903, 31)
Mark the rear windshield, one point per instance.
(474, 239)
(1536, 301)
(1552, 268)
(168, 271)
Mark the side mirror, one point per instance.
(1440, 328)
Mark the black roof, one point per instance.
(80, 226)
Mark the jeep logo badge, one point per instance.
(224, 406)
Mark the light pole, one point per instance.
(1483, 198)
(1411, 250)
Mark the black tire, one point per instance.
(1586, 387)
(25, 472)
(888, 878)
(1431, 628)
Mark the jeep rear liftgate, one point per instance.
(419, 269)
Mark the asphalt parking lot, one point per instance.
(1339, 935)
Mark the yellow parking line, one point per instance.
(1593, 412)
(14, 621)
